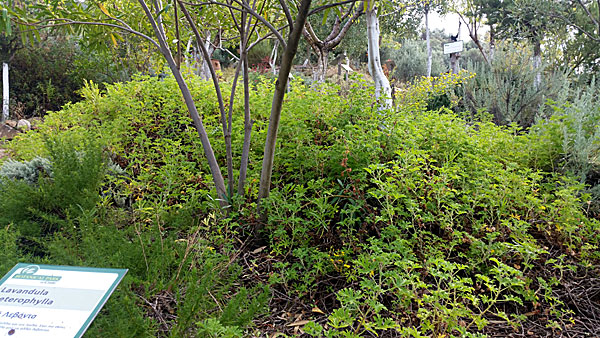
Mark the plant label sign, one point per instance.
(453, 47)
(43, 301)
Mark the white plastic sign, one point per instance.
(44, 301)
(453, 47)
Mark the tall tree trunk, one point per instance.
(454, 67)
(280, 88)
(247, 120)
(383, 90)
(322, 64)
(5, 92)
(273, 58)
(323, 47)
(537, 64)
(492, 43)
(428, 39)
(205, 69)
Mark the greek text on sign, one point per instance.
(44, 301)
(453, 47)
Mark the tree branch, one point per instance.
(336, 41)
(288, 15)
(587, 11)
(67, 22)
(579, 28)
(248, 9)
(324, 7)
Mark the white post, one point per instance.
(5, 91)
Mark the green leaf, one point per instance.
(325, 15)
(164, 10)
(6, 19)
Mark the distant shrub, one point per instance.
(46, 76)
(432, 93)
(411, 60)
(575, 128)
(505, 89)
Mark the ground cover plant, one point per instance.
(414, 222)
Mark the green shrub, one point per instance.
(39, 201)
(506, 88)
(28, 171)
(410, 58)
(575, 124)
(47, 75)
(431, 225)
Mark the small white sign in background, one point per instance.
(453, 47)
(50, 301)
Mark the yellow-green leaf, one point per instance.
(103, 9)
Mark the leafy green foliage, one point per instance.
(410, 58)
(575, 124)
(47, 75)
(506, 89)
(39, 202)
(420, 222)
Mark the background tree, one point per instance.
(581, 46)
(383, 90)
(523, 20)
(471, 13)
(427, 7)
(340, 23)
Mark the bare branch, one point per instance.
(248, 9)
(324, 7)
(574, 25)
(67, 22)
(258, 40)
(288, 15)
(250, 20)
(309, 32)
(116, 19)
(345, 28)
(237, 25)
(587, 11)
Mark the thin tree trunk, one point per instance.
(189, 101)
(205, 72)
(428, 39)
(226, 130)
(273, 58)
(247, 120)
(280, 88)
(322, 64)
(454, 67)
(383, 90)
(247, 129)
(537, 64)
(5, 92)
(492, 43)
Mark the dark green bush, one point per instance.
(47, 75)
